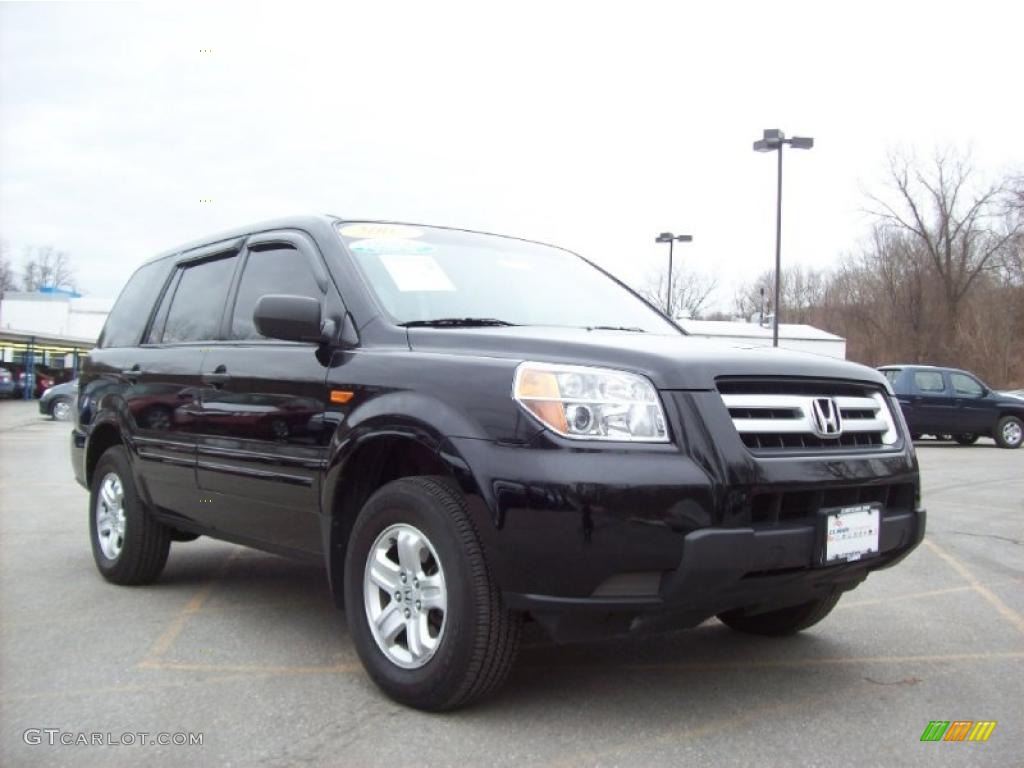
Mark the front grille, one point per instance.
(775, 507)
(780, 416)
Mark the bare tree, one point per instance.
(8, 281)
(961, 226)
(691, 292)
(803, 291)
(46, 266)
(755, 297)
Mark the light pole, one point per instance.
(668, 237)
(772, 141)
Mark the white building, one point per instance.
(54, 315)
(802, 338)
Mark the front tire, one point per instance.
(129, 547)
(425, 615)
(1009, 432)
(783, 622)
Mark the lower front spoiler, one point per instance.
(722, 569)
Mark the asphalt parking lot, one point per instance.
(247, 649)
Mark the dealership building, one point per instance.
(49, 331)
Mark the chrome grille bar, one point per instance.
(778, 422)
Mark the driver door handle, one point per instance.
(218, 377)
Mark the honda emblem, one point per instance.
(826, 418)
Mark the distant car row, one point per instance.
(12, 385)
(950, 402)
(55, 400)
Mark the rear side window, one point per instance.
(892, 374)
(131, 312)
(929, 381)
(198, 302)
(965, 385)
(270, 269)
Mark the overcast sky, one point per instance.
(593, 126)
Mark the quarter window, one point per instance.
(130, 313)
(965, 385)
(276, 269)
(198, 302)
(929, 381)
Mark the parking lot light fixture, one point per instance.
(668, 237)
(772, 140)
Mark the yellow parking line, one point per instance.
(166, 640)
(1007, 612)
(897, 598)
(829, 661)
(150, 687)
(186, 666)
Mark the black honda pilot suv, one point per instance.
(471, 431)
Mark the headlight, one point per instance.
(591, 403)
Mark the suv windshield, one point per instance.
(426, 274)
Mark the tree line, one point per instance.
(938, 280)
(41, 266)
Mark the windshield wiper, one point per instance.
(456, 322)
(629, 328)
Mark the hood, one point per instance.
(671, 362)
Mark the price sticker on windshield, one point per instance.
(414, 272)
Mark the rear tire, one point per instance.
(783, 622)
(420, 531)
(1009, 432)
(61, 409)
(966, 439)
(128, 545)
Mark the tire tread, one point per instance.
(498, 629)
(146, 548)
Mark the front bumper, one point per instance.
(722, 569)
(702, 525)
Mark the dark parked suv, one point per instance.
(471, 431)
(948, 401)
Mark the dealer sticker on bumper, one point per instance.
(851, 533)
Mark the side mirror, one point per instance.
(291, 318)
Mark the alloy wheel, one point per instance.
(61, 410)
(405, 596)
(110, 520)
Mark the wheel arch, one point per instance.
(363, 463)
(102, 437)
